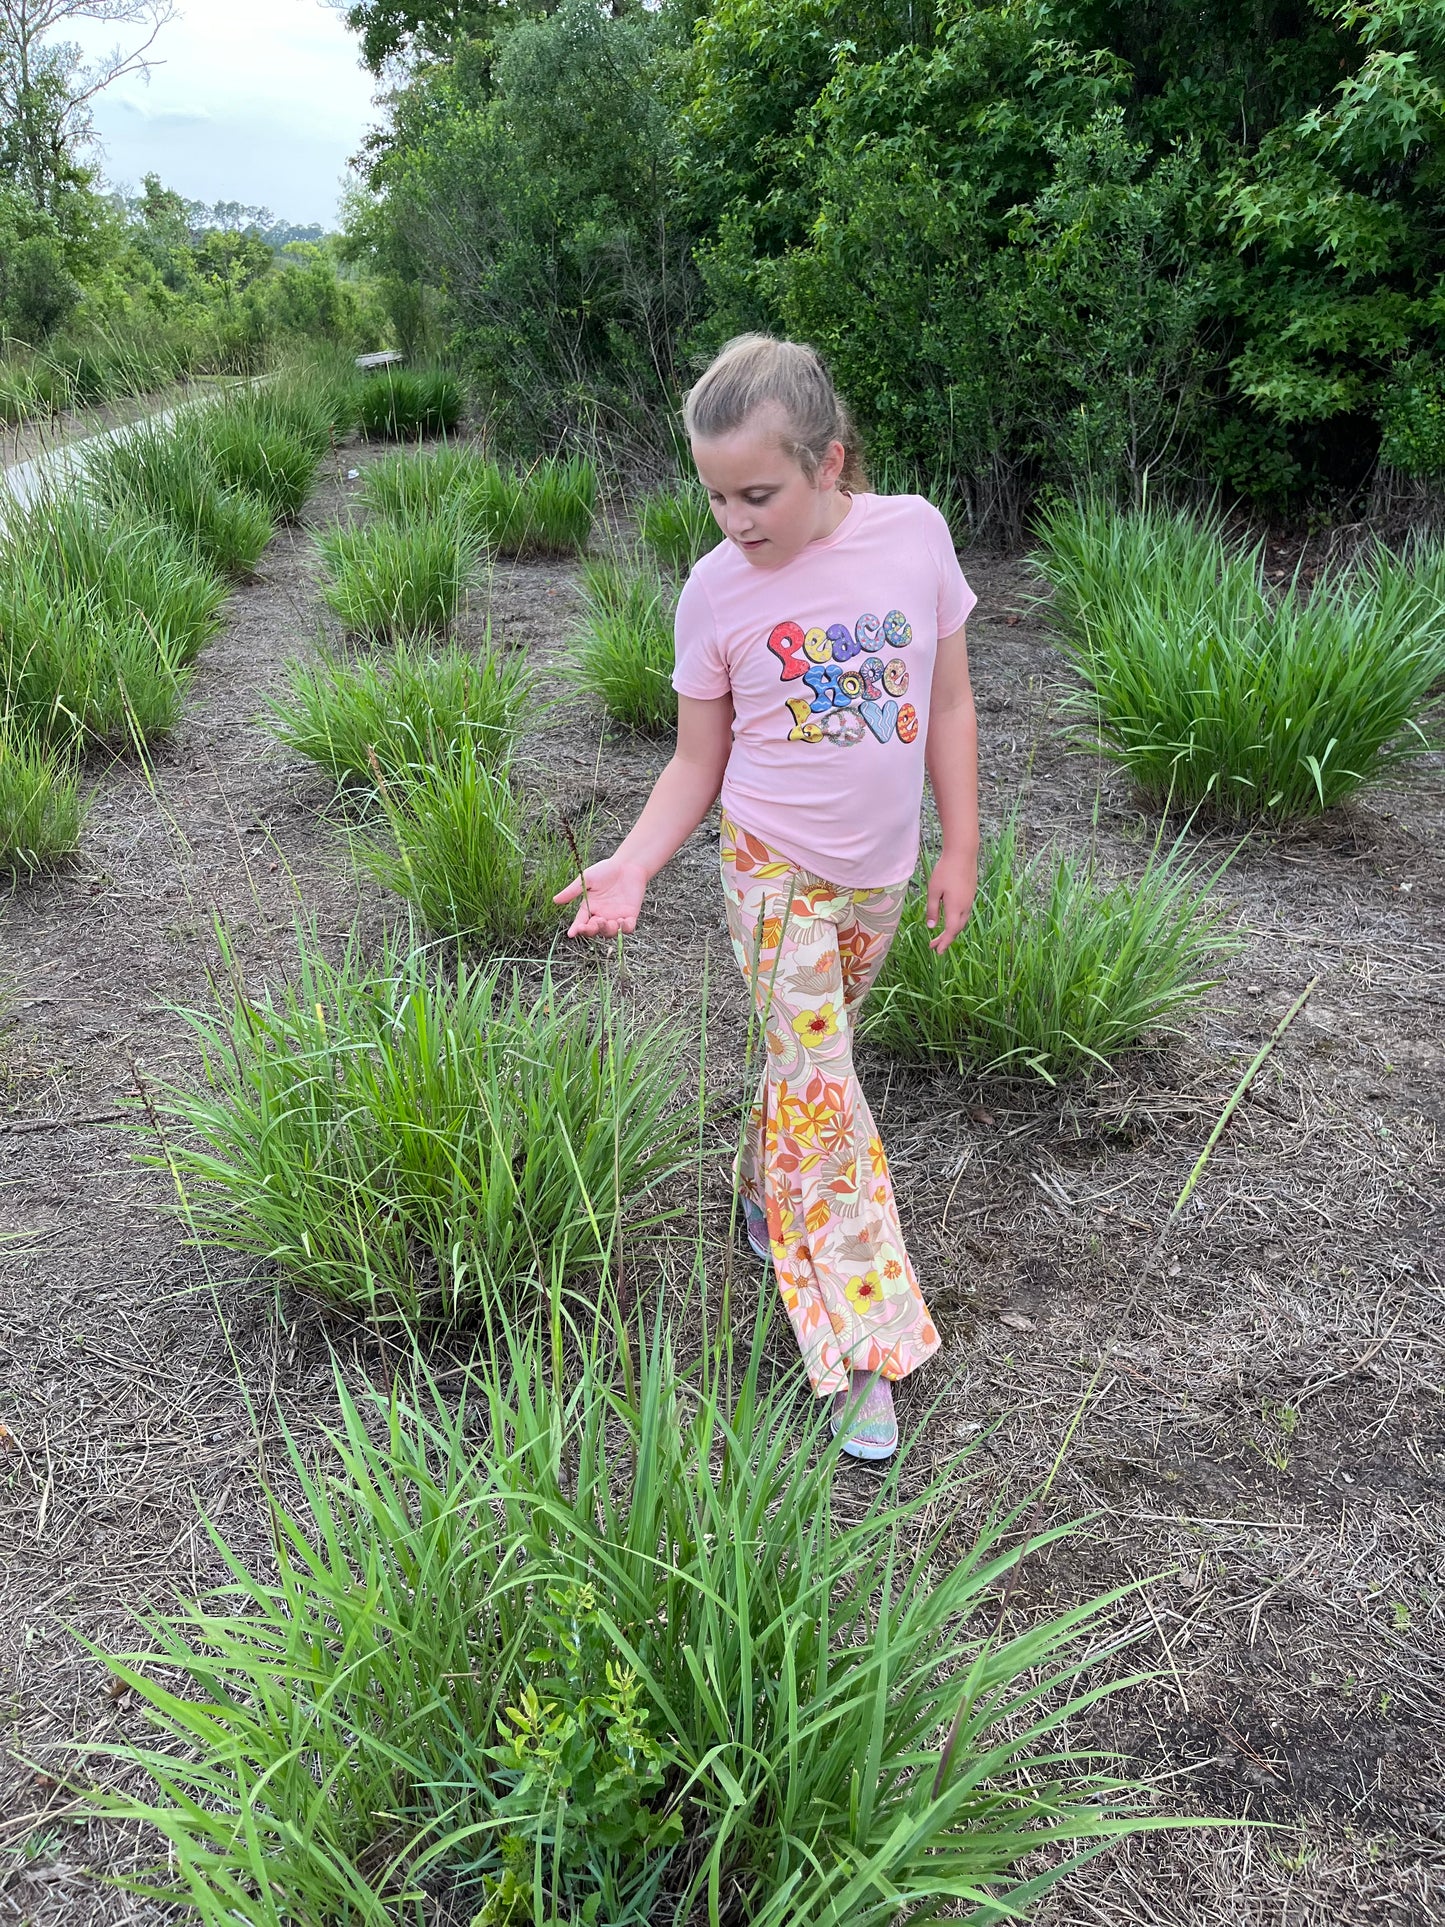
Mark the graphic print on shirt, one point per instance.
(854, 687)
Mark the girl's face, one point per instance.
(762, 501)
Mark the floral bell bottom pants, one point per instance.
(811, 1156)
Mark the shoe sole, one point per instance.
(861, 1449)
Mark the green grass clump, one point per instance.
(41, 811)
(391, 582)
(402, 1137)
(544, 510)
(417, 709)
(402, 404)
(1216, 694)
(608, 1649)
(247, 449)
(1057, 972)
(677, 526)
(100, 618)
(130, 566)
(625, 648)
(473, 857)
(156, 472)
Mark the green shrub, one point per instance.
(75, 673)
(409, 488)
(40, 807)
(154, 471)
(1056, 973)
(391, 582)
(471, 855)
(625, 649)
(609, 1650)
(1215, 693)
(544, 510)
(553, 515)
(416, 709)
(402, 405)
(677, 526)
(402, 1137)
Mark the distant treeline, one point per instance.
(1045, 243)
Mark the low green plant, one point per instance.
(41, 811)
(407, 488)
(390, 581)
(677, 526)
(248, 449)
(403, 404)
(624, 646)
(473, 856)
(362, 720)
(1217, 694)
(402, 1137)
(546, 509)
(558, 500)
(1057, 972)
(154, 471)
(128, 565)
(618, 1649)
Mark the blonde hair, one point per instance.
(752, 370)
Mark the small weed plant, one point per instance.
(393, 582)
(153, 471)
(544, 510)
(475, 858)
(618, 1650)
(402, 1139)
(1057, 972)
(401, 404)
(417, 709)
(41, 810)
(1217, 694)
(625, 648)
(677, 526)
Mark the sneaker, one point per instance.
(755, 1219)
(872, 1425)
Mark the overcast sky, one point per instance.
(260, 101)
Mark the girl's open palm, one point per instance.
(611, 893)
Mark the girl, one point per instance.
(820, 669)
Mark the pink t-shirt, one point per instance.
(829, 661)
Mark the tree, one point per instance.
(47, 85)
(394, 31)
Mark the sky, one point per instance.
(259, 101)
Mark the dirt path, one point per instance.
(1265, 1426)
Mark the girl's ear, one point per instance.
(832, 465)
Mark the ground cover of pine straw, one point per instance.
(1264, 1431)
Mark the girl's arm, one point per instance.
(612, 891)
(951, 756)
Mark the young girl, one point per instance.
(820, 669)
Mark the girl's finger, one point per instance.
(572, 891)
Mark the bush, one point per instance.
(155, 472)
(625, 649)
(40, 808)
(678, 526)
(1214, 693)
(392, 582)
(603, 1650)
(416, 710)
(1056, 973)
(558, 498)
(410, 488)
(402, 405)
(473, 858)
(400, 1139)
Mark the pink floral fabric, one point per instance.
(812, 1158)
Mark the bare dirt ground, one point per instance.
(1261, 1423)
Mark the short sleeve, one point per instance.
(955, 598)
(699, 667)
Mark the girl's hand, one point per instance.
(611, 893)
(952, 885)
